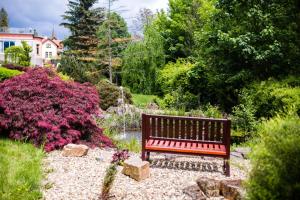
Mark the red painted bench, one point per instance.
(186, 135)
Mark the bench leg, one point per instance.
(226, 167)
(148, 155)
(143, 155)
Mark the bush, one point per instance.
(180, 100)
(108, 181)
(40, 107)
(272, 97)
(19, 54)
(275, 160)
(110, 93)
(8, 73)
(16, 67)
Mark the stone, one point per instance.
(152, 106)
(194, 192)
(231, 189)
(210, 187)
(136, 168)
(75, 150)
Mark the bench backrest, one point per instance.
(206, 130)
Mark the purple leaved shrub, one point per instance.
(39, 107)
(16, 67)
(120, 156)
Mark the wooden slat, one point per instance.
(206, 123)
(218, 131)
(153, 126)
(155, 142)
(171, 127)
(188, 129)
(165, 128)
(194, 130)
(212, 131)
(172, 144)
(182, 129)
(158, 131)
(176, 128)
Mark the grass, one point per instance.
(141, 100)
(20, 171)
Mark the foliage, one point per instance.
(64, 77)
(3, 18)
(178, 27)
(132, 145)
(180, 100)
(174, 75)
(79, 70)
(141, 62)
(18, 54)
(247, 41)
(20, 171)
(141, 100)
(110, 93)
(120, 156)
(82, 20)
(8, 73)
(16, 67)
(243, 116)
(40, 107)
(108, 181)
(275, 160)
(272, 97)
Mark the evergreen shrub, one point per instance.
(8, 73)
(275, 160)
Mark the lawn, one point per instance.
(20, 171)
(141, 100)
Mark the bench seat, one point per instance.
(169, 145)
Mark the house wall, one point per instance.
(39, 47)
(49, 50)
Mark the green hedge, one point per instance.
(275, 161)
(8, 73)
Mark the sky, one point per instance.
(43, 15)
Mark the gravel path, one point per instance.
(81, 178)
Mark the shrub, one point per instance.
(8, 73)
(19, 54)
(110, 93)
(275, 160)
(120, 156)
(40, 107)
(180, 100)
(16, 67)
(272, 97)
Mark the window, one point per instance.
(46, 54)
(8, 44)
(37, 49)
(50, 54)
(48, 45)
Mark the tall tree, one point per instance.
(119, 36)
(178, 27)
(82, 20)
(142, 61)
(3, 18)
(143, 19)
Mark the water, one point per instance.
(133, 134)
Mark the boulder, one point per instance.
(75, 150)
(231, 189)
(136, 168)
(152, 106)
(210, 187)
(194, 192)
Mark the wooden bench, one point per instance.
(186, 135)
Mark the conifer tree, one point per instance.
(3, 18)
(82, 20)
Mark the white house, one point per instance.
(43, 48)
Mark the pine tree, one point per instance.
(3, 18)
(82, 20)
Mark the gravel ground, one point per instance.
(81, 178)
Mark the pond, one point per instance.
(133, 134)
